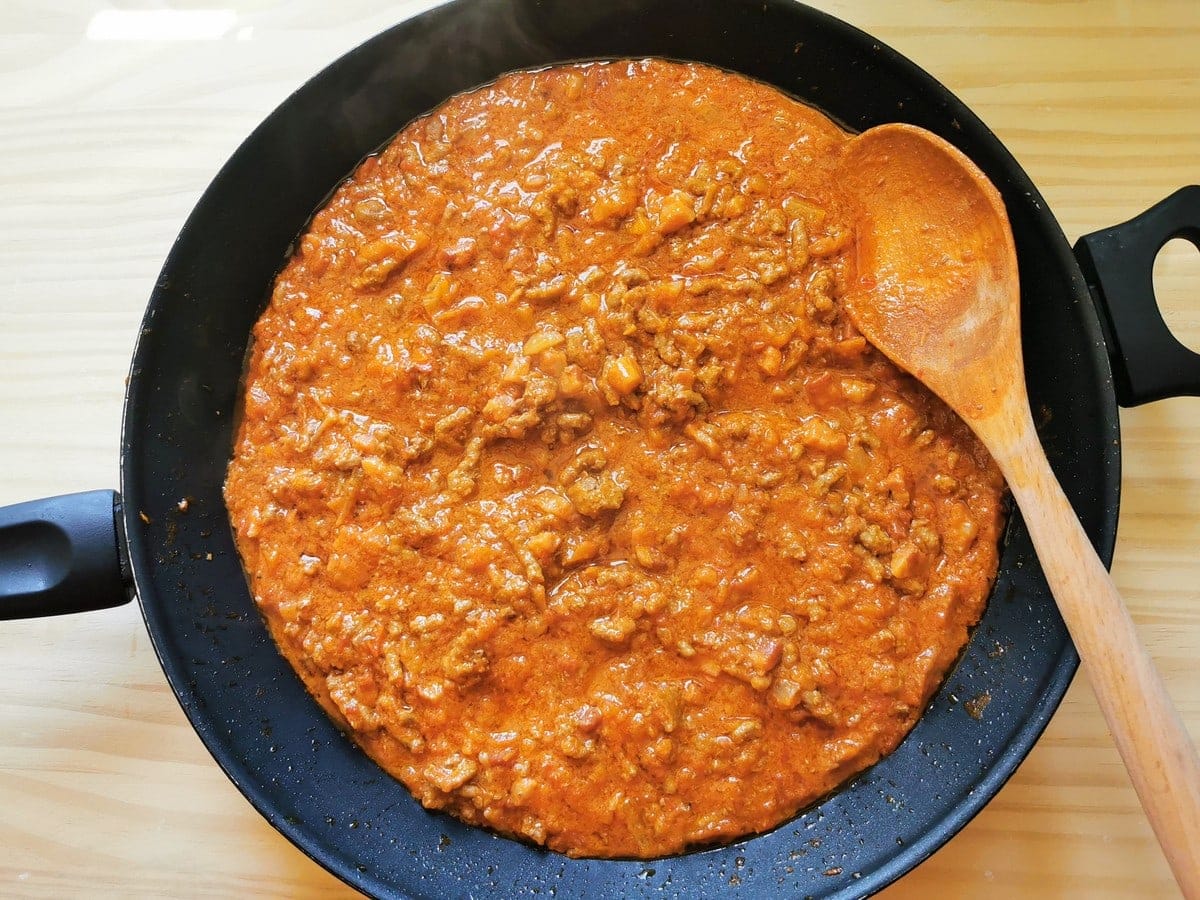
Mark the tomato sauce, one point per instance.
(567, 486)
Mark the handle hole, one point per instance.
(1176, 289)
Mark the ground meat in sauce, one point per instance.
(566, 485)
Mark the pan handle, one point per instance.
(62, 555)
(1148, 362)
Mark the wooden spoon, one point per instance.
(934, 286)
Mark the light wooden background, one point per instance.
(105, 144)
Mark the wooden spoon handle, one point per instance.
(1153, 742)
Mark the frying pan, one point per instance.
(88, 551)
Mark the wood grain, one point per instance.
(105, 791)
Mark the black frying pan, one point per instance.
(94, 550)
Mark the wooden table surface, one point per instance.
(113, 118)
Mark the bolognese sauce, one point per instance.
(570, 491)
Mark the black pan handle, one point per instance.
(1148, 363)
(62, 555)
